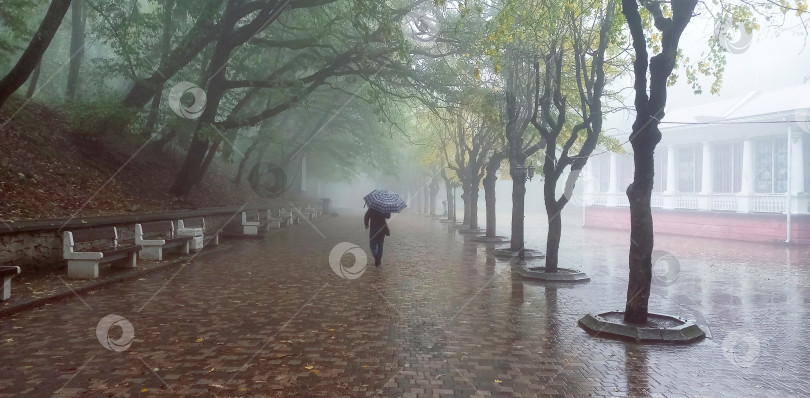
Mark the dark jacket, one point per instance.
(377, 220)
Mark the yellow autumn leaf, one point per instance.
(200, 339)
(477, 74)
(309, 367)
(498, 381)
(144, 389)
(316, 371)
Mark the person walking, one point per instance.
(377, 230)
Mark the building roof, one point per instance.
(793, 102)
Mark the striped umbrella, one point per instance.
(385, 201)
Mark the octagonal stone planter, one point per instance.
(660, 328)
(507, 253)
(539, 273)
(470, 231)
(485, 239)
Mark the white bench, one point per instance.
(251, 224)
(272, 222)
(311, 212)
(291, 217)
(194, 224)
(7, 273)
(84, 263)
(156, 236)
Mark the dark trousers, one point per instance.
(376, 244)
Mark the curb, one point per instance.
(26, 305)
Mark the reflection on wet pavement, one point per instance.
(440, 317)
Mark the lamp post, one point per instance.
(525, 173)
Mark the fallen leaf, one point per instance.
(498, 381)
(144, 389)
(310, 367)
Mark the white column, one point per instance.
(745, 197)
(707, 178)
(797, 188)
(672, 178)
(590, 183)
(613, 187)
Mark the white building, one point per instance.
(735, 169)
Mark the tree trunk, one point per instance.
(426, 196)
(32, 85)
(77, 22)
(36, 48)
(474, 207)
(518, 199)
(451, 204)
(490, 179)
(184, 180)
(465, 201)
(650, 103)
(489, 198)
(641, 237)
(434, 192)
(151, 120)
(553, 237)
(195, 162)
(212, 152)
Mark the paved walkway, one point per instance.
(440, 318)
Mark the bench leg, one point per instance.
(130, 261)
(186, 247)
(83, 269)
(5, 289)
(275, 224)
(151, 253)
(214, 241)
(250, 230)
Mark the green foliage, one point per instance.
(97, 119)
(16, 20)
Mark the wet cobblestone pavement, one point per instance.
(441, 317)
